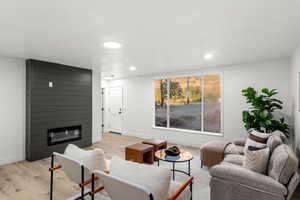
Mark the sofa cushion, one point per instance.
(274, 141)
(242, 176)
(283, 164)
(234, 159)
(256, 159)
(282, 136)
(155, 179)
(239, 141)
(234, 149)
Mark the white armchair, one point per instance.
(123, 180)
(78, 165)
(140, 182)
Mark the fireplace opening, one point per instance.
(62, 135)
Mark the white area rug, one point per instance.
(201, 189)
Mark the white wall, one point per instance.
(12, 109)
(97, 135)
(139, 100)
(295, 94)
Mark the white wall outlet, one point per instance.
(50, 84)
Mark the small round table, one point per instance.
(184, 156)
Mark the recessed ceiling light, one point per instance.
(208, 56)
(132, 68)
(108, 77)
(112, 45)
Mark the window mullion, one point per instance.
(168, 103)
(202, 103)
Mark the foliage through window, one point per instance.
(190, 103)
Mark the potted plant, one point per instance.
(260, 115)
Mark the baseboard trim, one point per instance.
(11, 160)
(148, 137)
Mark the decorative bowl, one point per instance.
(172, 151)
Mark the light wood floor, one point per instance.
(30, 180)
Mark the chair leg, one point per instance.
(191, 188)
(93, 185)
(51, 177)
(82, 180)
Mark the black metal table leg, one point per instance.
(173, 171)
(158, 162)
(189, 172)
(189, 169)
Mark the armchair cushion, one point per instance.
(249, 178)
(155, 179)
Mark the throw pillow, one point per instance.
(155, 179)
(256, 159)
(250, 142)
(259, 137)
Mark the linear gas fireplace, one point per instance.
(62, 135)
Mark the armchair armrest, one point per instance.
(176, 194)
(98, 189)
(243, 176)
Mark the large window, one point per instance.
(189, 103)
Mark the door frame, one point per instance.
(103, 112)
(106, 120)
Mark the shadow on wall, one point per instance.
(289, 120)
(298, 155)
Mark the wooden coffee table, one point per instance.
(157, 145)
(141, 153)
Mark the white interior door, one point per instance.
(115, 109)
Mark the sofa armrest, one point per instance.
(243, 176)
(240, 141)
(293, 185)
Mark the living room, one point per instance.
(193, 93)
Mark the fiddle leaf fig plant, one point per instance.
(260, 116)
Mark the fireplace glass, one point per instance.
(62, 135)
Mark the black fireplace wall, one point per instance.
(56, 96)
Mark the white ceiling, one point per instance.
(157, 35)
